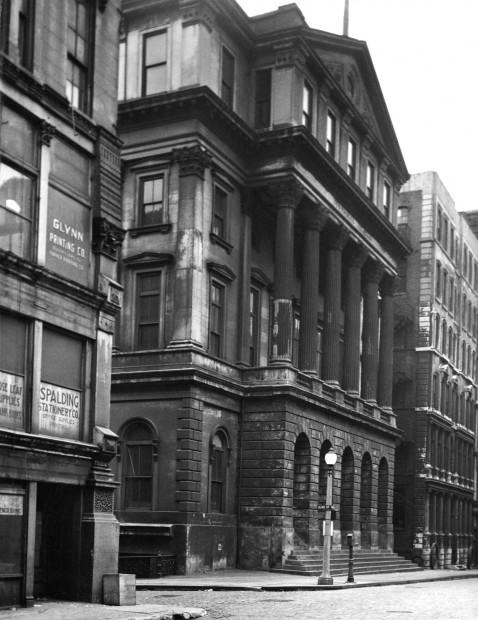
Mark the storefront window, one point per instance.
(12, 371)
(61, 388)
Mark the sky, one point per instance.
(425, 54)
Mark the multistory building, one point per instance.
(435, 377)
(59, 233)
(260, 185)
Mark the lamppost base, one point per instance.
(325, 581)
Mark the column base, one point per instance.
(325, 581)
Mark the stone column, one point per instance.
(315, 218)
(352, 321)
(243, 335)
(372, 275)
(385, 367)
(188, 288)
(332, 306)
(287, 195)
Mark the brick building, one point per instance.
(59, 231)
(261, 177)
(435, 377)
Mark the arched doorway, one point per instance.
(365, 501)
(301, 489)
(347, 495)
(382, 504)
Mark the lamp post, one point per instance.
(326, 578)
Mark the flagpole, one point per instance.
(346, 19)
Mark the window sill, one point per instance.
(147, 230)
(222, 242)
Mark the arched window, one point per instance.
(137, 466)
(302, 472)
(218, 468)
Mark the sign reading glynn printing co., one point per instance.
(59, 411)
(68, 240)
(11, 400)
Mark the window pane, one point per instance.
(12, 344)
(70, 166)
(16, 192)
(62, 359)
(155, 79)
(18, 136)
(156, 49)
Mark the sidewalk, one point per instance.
(223, 580)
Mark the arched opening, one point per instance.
(365, 501)
(382, 504)
(347, 495)
(301, 489)
(137, 466)
(218, 469)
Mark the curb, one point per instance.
(305, 587)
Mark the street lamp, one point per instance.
(326, 578)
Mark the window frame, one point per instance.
(74, 61)
(25, 32)
(158, 292)
(331, 134)
(217, 328)
(387, 200)
(370, 180)
(307, 105)
(220, 215)
(163, 63)
(123, 455)
(254, 324)
(141, 216)
(216, 482)
(228, 76)
(352, 153)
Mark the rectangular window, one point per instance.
(331, 138)
(151, 200)
(227, 77)
(216, 318)
(78, 44)
(61, 388)
(295, 340)
(122, 70)
(155, 62)
(219, 216)
(254, 323)
(16, 210)
(263, 98)
(71, 167)
(307, 97)
(138, 473)
(17, 29)
(387, 200)
(148, 304)
(370, 181)
(352, 159)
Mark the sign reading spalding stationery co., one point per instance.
(59, 411)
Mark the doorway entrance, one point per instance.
(57, 541)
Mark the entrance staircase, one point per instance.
(304, 561)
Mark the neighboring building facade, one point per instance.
(261, 178)
(59, 231)
(436, 345)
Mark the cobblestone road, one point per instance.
(453, 600)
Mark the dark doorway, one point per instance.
(365, 501)
(57, 557)
(347, 495)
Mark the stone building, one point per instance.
(435, 377)
(59, 232)
(261, 178)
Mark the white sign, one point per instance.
(59, 411)
(11, 400)
(11, 504)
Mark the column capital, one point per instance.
(357, 255)
(373, 271)
(388, 285)
(315, 216)
(337, 238)
(287, 192)
(47, 132)
(192, 160)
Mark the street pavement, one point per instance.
(253, 595)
